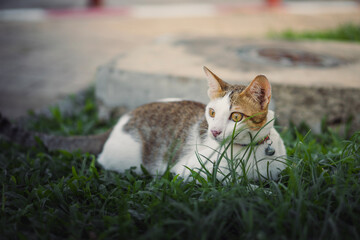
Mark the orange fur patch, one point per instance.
(254, 101)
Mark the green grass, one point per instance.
(81, 122)
(57, 195)
(346, 32)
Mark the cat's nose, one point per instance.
(215, 133)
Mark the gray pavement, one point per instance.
(43, 61)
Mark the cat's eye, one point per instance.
(211, 112)
(236, 116)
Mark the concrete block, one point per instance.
(302, 92)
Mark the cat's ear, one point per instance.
(217, 87)
(260, 91)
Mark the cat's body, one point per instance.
(187, 134)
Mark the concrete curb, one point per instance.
(300, 93)
(121, 88)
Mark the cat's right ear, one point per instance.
(217, 87)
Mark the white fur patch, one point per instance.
(121, 151)
(221, 120)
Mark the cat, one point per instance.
(185, 135)
(188, 136)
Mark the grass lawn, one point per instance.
(57, 195)
(346, 32)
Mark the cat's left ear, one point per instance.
(260, 91)
(216, 86)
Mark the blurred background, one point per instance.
(52, 48)
(51, 4)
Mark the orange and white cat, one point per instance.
(187, 135)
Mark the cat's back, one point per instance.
(162, 127)
(156, 130)
(165, 117)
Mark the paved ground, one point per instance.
(42, 61)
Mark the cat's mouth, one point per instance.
(223, 138)
(218, 137)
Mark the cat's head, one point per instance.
(247, 106)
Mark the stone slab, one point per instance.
(185, 57)
(172, 67)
